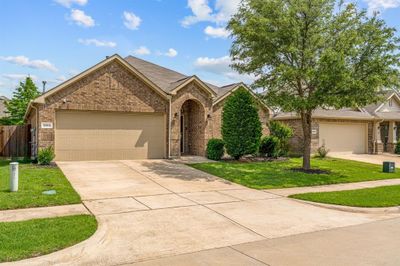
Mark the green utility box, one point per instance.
(388, 167)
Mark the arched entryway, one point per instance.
(192, 127)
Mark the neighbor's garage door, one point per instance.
(344, 137)
(109, 136)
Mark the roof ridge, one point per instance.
(148, 62)
(236, 83)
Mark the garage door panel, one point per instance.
(343, 137)
(109, 136)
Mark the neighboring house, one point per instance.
(372, 129)
(128, 108)
(3, 108)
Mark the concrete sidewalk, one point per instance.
(336, 187)
(368, 244)
(42, 212)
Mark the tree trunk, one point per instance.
(306, 124)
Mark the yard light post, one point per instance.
(14, 177)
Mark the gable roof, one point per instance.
(116, 58)
(345, 113)
(163, 80)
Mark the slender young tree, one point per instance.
(16, 107)
(310, 54)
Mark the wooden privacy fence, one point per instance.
(14, 141)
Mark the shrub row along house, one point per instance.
(128, 108)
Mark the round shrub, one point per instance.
(215, 149)
(269, 146)
(45, 156)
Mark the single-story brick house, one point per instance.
(128, 108)
(372, 129)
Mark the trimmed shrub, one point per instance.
(45, 156)
(283, 133)
(322, 152)
(397, 148)
(241, 126)
(269, 146)
(215, 149)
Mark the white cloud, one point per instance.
(25, 61)
(69, 3)
(81, 19)
(171, 52)
(221, 66)
(226, 8)
(216, 65)
(131, 21)
(97, 43)
(142, 50)
(215, 32)
(202, 11)
(18, 77)
(381, 5)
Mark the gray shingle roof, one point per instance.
(168, 79)
(321, 113)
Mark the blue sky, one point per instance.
(53, 40)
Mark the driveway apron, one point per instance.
(159, 208)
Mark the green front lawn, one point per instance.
(386, 196)
(33, 180)
(278, 174)
(25, 239)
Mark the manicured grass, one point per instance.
(278, 174)
(25, 239)
(33, 180)
(386, 196)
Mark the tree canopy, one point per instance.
(17, 105)
(310, 54)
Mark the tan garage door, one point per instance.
(109, 136)
(343, 137)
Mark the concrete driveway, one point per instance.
(152, 209)
(367, 158)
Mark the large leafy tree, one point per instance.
(16, 106)
(310, 54)
(241, 127)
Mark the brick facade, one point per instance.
(114, 88)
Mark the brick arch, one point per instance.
(192, 127)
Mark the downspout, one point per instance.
(169, 127)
